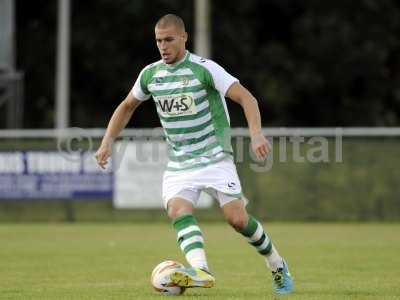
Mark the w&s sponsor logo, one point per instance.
(176, 105)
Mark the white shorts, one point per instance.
(219, 180)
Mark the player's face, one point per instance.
(171, 43)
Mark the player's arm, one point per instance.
(242, 96)
(118, 121)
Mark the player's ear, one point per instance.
(185, 36)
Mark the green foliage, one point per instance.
(310, 63)
(315, 63)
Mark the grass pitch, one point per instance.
(114, 261)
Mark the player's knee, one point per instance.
(177, 209)
(238, 222)
(236, 215)
(174, 213)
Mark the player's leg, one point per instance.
(189, 236)
(190, 240)
(236, 215)
(226, 187)
(180, 195)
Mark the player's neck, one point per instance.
(179, 59)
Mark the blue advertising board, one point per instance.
(53, 175)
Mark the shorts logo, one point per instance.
(176, 105)
(231, 185)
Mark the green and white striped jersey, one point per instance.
(189, 96)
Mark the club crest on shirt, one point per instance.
(176, 105)
(185, 81)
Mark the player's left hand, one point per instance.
(260, 145)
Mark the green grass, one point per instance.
(114, 261)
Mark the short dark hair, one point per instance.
(171, 19)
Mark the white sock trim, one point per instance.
(197, 258)
(264, 244)
(187, 230)
(256, 235)
(191, 240)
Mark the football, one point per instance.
(160, 278)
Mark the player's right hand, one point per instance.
(102, 155)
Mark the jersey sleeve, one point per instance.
(221, 79)
(139, 90)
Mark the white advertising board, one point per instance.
(138, 171)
